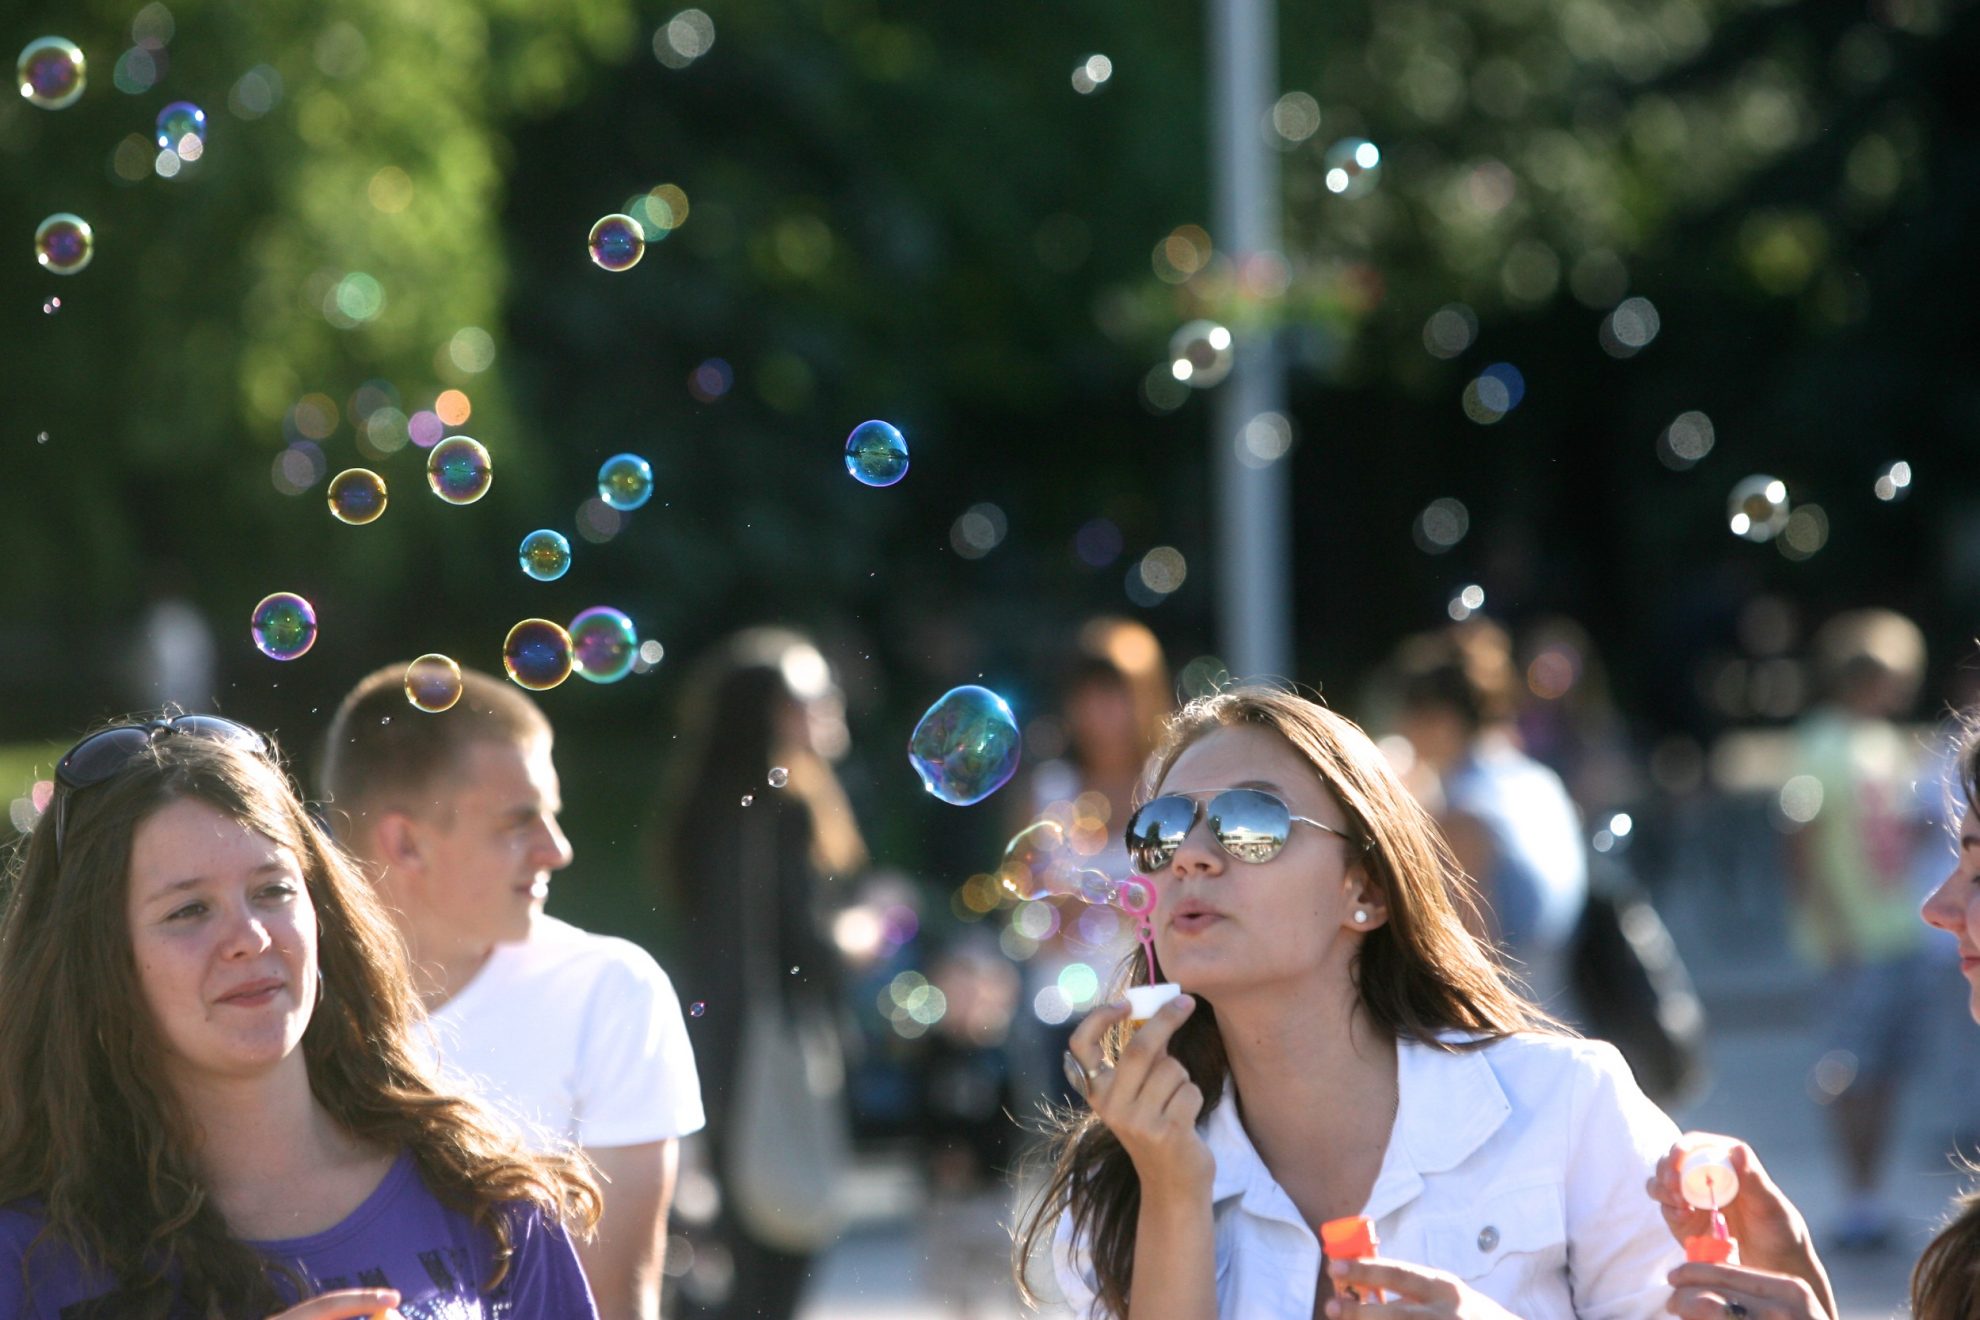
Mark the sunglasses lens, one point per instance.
(101, 755)
(215, 729)
(1251, 825)
(1158, 829)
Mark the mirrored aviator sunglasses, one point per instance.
(1248, 823)
(102, 754)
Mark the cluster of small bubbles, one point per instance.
(298, 467)
(181, 128)
(779, 776)
(1893, 482)
(283, 625)
(598, 522)
(617, 243)
(684, 38)
(1442, 524)
(697, 1008)
(545, 555)
(52, 72)
(1201, 354)
(979, 530)
(1757, 509)
(651, 653)
(1807, 531)
(52, 306)
(1352, 167)
(64, 243)
(1628, 329)
(433, 683)
(1465, 602)
(1264, 440)
(966, 746)
(1098, 543)
(625, 481)
(1497, 391)
(604, 644)
(255, 92)
(1450, 330)
(710, 381)
(1091, 74)
(1687, 439)
(1295, 118)
(876, 454)
(537, 655)
(459, 470)
(356, 496)
(1185, 251)
(1614, 835)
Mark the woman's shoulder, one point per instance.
(1542, 1061)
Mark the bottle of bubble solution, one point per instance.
(1352, 1238)
(1708, 1181)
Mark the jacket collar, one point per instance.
(1448, 1105)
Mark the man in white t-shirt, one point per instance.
(578, 1037)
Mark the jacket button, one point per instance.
(1488, 1237)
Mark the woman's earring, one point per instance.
(1360, 917)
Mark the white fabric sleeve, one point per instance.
(635, 1080)
(1073, 1268)
(1619, 1249)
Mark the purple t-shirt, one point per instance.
(401, 1237)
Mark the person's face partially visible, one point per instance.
(1954, 906)
(491, 841)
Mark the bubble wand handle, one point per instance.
(1136, 896)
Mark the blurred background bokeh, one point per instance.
(1604, 261)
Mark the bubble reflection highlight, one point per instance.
(966, 746)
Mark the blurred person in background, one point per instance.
(577, 1036)
(1855, 830)
(211, 1100)
(756, 842)
(1567, 717)
(1509, 818)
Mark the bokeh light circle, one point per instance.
(433, 683)
(625, 481)
(1757, 509)
(966, 747)
(1201, 354)
(283, 625)
(876, 454)
(64, 243)
(604, 644)
(52, 72)
(537, 654)
(1352, 167)
(617, 243)
(545, 555)
(356, 496)
(459, 470)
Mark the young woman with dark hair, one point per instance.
(209, 1105)
(1345, 1047)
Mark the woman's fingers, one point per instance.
(1417, 1284)
(1086, 1037)
(345, 1304)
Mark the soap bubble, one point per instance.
(625, 481)
(966, 747)
(283, 626)
(433, 683)
(876, 454)
(545, 555)
(1200, 354)
(617, 243)
(1757, 509)
(459, 470)
(779, 776)
(537, 654)
(357, 496)
(178, 122)
(603, 644)
(697, 1008)
(1352, 167)
(52, 72)
(63, 243)
(1097, 888)
(1038, 863)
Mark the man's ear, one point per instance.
(398, 844)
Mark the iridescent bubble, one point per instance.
(1352, 167)
(697, 1008)
(283, 626)
(1097, 888)
(459, 470)
(178, 122)
(1201, 354)
(617, 243)
(625, 481)
(63, 243)
(778, 776)
(537, 654)
(433, 683)
(876, 454)
(966, 747)
(545, 555)
(1758, 509)
(604, 645)
(1038, 863)
(52, 72)
(357, 496)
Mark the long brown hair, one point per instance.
(1419, 974)
(90, 1129)
(1945, 1284)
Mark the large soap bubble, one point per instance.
(617, 243)
(283, 625)
(966, 747)
(876, 454)
(604, 644)
(357, 496)
(459, 470)
(433, 683)
(181, 128)
(537, 654)
(625, 481)
(52, 72)
(545, 555)
(64, 243)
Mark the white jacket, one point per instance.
(1519, 1168)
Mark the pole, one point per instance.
(1253, 534)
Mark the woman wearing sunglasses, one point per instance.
(1344, 1047)
(208, 1103)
